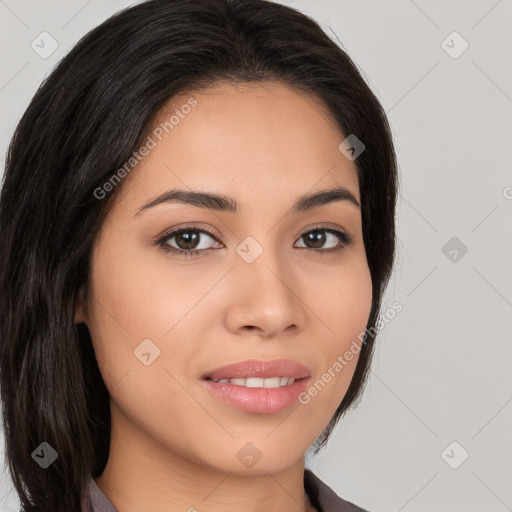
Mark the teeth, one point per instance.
(257, 382)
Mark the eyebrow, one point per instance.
(228, 204)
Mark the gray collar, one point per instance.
(321, 495)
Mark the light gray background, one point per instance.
(441, 372)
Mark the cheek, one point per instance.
(354, 303)
(134, 299)
(344, 304)
(144, 296)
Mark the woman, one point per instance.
(197, 228)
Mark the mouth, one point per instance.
(259, 382)
(258, 386)
(261, 369)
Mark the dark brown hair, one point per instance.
(82, 125)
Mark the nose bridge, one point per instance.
(266, 281)
(260, 256)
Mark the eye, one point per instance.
(320, 235)
(190, 241)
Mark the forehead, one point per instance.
(260, 143)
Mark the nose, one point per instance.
(265, 297)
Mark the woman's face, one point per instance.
(266, 283)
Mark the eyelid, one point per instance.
(188, 227)
(324, 225)
(214, 233)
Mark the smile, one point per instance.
(257, 382)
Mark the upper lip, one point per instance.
(260, 368)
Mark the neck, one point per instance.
(142, 474)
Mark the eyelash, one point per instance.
(345, 240)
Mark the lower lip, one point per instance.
(258, 400)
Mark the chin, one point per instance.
(241, 456)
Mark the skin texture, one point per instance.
(174, 445)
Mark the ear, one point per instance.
(80, 308)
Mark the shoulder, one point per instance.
(324, 498)
(96, 501)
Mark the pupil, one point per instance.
(187, 239)
(317, 237)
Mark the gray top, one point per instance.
(323, 498)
